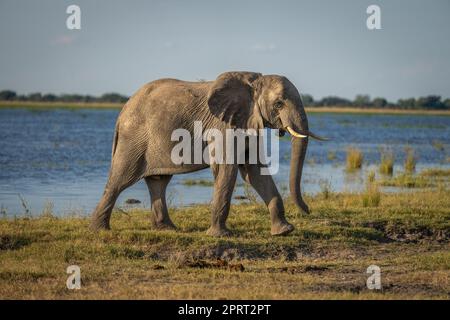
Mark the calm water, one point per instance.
(63, 156)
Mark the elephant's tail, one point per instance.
(116, 138)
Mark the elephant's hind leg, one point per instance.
(123, 174)
(157, 187)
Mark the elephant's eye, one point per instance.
(278, 105)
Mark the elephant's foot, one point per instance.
(281, 229)
(218, 232)
(164, 226)
(98, 224)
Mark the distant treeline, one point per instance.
(8, 95)
(431, 102)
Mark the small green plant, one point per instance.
(387, 163)
(354, 159)
(410, 161)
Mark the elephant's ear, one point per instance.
(231, 100)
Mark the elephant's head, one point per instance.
(253, 100)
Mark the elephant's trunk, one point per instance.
(298, 153)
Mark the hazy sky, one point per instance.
(324, 47)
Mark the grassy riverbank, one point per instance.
(406, 235)
(95, 105)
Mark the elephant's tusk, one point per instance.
(308, 134)
(312, 135)
(295, 134)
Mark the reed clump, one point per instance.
(371, 197)
(354, 159)
(387, 163)
(410, 161)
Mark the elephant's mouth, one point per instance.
(277, 124)
(281, 132)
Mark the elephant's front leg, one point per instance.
(225, 179)
(267, 190)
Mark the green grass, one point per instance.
(326, 257)
(407, 180)
(432, 177)
(354, 159)
(435, 172)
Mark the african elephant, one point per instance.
(142, 142)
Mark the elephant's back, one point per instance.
(160, 107)
(170, 96)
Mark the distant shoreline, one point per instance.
(60, 105)
(375, 110)
(106, 105)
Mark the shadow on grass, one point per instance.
(13, 242)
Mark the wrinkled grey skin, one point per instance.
(142, 142)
